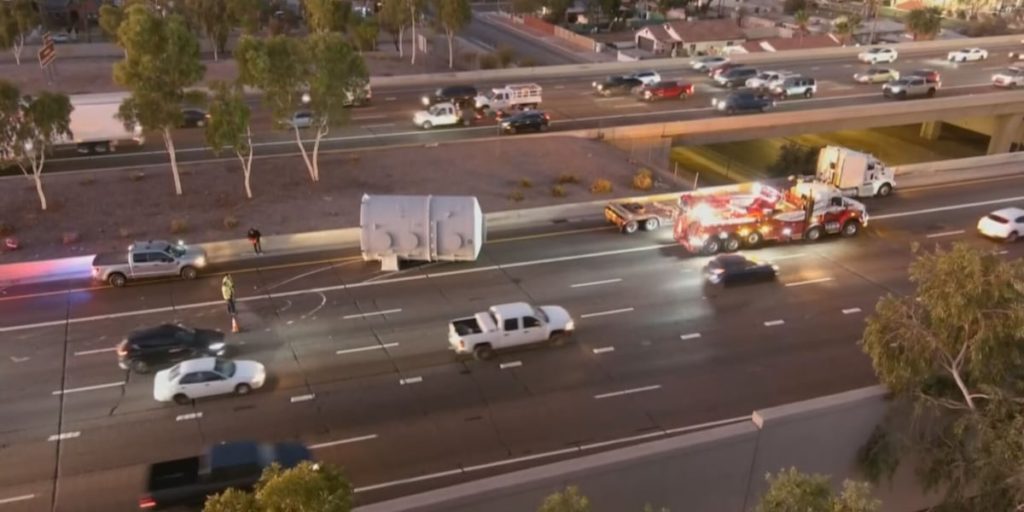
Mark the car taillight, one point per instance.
(547, 117)
(147, 502)
(122, 349)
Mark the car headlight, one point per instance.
(570, 325)
(426, 101)
(593, 84)
(201, 261)
(218, 346)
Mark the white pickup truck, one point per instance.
(442, 114)
(142, 260)
(516, 96)
(508, 325)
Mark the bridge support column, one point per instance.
(931, 130)
(1005, 132)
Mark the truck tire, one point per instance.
(884, 190)
(813, 234)
(189, 273)
(117, 279)
(711, 246)
(731, 244)
(851, 228)
(931, 93)
(808, 93)
(427, 125)
(483, 352)
(753, 239)
(630, 227)
(181, 399)
(243, 389)
(651, 224)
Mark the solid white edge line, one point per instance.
(788, 256)
(602, 350)
(627, 392)
(366, 348)
(690, 336)
(850, 311)
(302, 398)
(431, 476)
(63, 436)
(810, 281)
(596, 283)
(95, 351)
(410, 380)
(342, 441)
(773, 323)
(372, 313)
(511, 364)
(945, 208)
(945, 233)
(14, 499)
(524, 458)
(86, 388)
(603, 313)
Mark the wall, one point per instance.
(539, 24)
(720, 469)
(577, 40)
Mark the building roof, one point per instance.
(696, 31)
(777, 44)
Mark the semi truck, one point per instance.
(237, 465)
(95, 128)
(509, 97)
(420, 228)
(855, 173)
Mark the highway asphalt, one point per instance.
(360, 368)
(571, 103)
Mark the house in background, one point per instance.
(690, 37)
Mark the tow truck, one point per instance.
(749, 214)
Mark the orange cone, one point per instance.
(234, 325)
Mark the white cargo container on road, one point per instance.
(95, 127)
(420, 228)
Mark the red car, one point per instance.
(662, 90)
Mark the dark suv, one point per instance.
(167, 343)
(735, 77)
(457, 94)
(743, 101)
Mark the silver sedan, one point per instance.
(876, 76)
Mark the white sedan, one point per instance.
(1006, 224)
(708, 63)
(967, 54)
(207, 376)
(647, 77)
(876, 55)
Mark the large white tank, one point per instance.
(420, 228)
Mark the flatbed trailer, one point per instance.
(633, 216)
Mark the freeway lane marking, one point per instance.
(554, 453)
(596, 283)
(810, 281)
(945, 233)
(63, 436)
(850, 311)
(512, 364)
(302, 398)
(773, 323)
(410, 380)
(87, 388)
(15, 499)
(946, 208)
(602, 350)
(364, 349)
(189, 416)
(627, 392)
(603, 313)
(96, 351)
(342, 441)
(372, 313)
(789, 256)
(691, 336)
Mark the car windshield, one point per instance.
(175, 250)
(902, 81)
(997, 218)
(539, 313)
(436, 110)
(224, 367)
(876, 50)
(174, 372)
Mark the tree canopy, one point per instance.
(29, 127)
(453, 15)
(792, 491)
(954, 349)
(307, 487)
(229, 126)
(17, 19)
(924, 22)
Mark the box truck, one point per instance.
(95, 127)
(420, 228)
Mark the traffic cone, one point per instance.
(234, 325)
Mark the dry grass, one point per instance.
(601, 186)
(643, 179)
(558, 191)
(516, 196)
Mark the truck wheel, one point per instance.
(427, 125)
(711, 246)
(483, 352)
(243, 389)
(181, 399)
(189, 273)
(117, 280)
(651, 224)
(931, 93)
(808, 93)
(630, 227)
(558, 338)
(813, 234)
(884, 190)
(851, 228)
(140, 366)
(732, 244)
(902, 95)
(753, 239)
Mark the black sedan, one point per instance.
(618, 85)
(743, 101)
(193, 118)
(729, 269)
(165, 344)
(531, 120)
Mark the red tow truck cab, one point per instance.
(748, 214)
(662, 90)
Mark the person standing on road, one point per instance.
(254, 239)
(227, 290)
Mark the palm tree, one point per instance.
(802, 18)
(847, 28)
(924, 23)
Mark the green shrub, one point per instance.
(643, 179)
(558, 191)
(601, 186)
(567, 178)
(525, 183)
(516, 196)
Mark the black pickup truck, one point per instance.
(238, 464)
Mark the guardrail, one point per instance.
(348, 238)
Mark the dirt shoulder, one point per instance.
(107, 209)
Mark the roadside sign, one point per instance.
(48, 52)
(47, 39)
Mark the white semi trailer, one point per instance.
(420, 228)
(95, 128)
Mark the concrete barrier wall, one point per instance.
(717, 470)
(580, 41)
(960, 164)
(539, 24)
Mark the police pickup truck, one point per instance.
(142, 260)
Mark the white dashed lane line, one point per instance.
(690, 336)
(366, 348)
(372, 313)
(302, 398)
(945, 233)
(87, 388)
(15, 499)
(851, 311)
(410, 380)
(603, 350)
(96, 351)
(596, 283)
(627, 392)
(342, 441)
(773, 323)
(189, 416)
(810, 281)
(511, 364)
(64, 436)
(605, 313)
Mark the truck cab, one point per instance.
(441, 114)
(153, 258)
(506, 326)
(855, 173)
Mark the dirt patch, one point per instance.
(106, 209)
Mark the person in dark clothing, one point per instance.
(254, 239)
